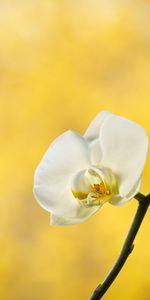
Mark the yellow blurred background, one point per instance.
(61, 62)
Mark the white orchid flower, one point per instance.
(78, 175)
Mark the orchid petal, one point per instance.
(124, 147)
(95, 151)
(118, 201)
(61, 220)
(93, 129)
(66, 156)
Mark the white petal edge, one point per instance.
(95, 152)
(121, 201)
(66, 156)
(63, 221)
(124, 146)
(93, 129)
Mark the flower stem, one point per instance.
(144, 202)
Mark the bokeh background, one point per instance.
(61, 62)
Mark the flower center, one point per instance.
(94, 186)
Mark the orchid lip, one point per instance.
(94, 186)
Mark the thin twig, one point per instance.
(127, 248)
